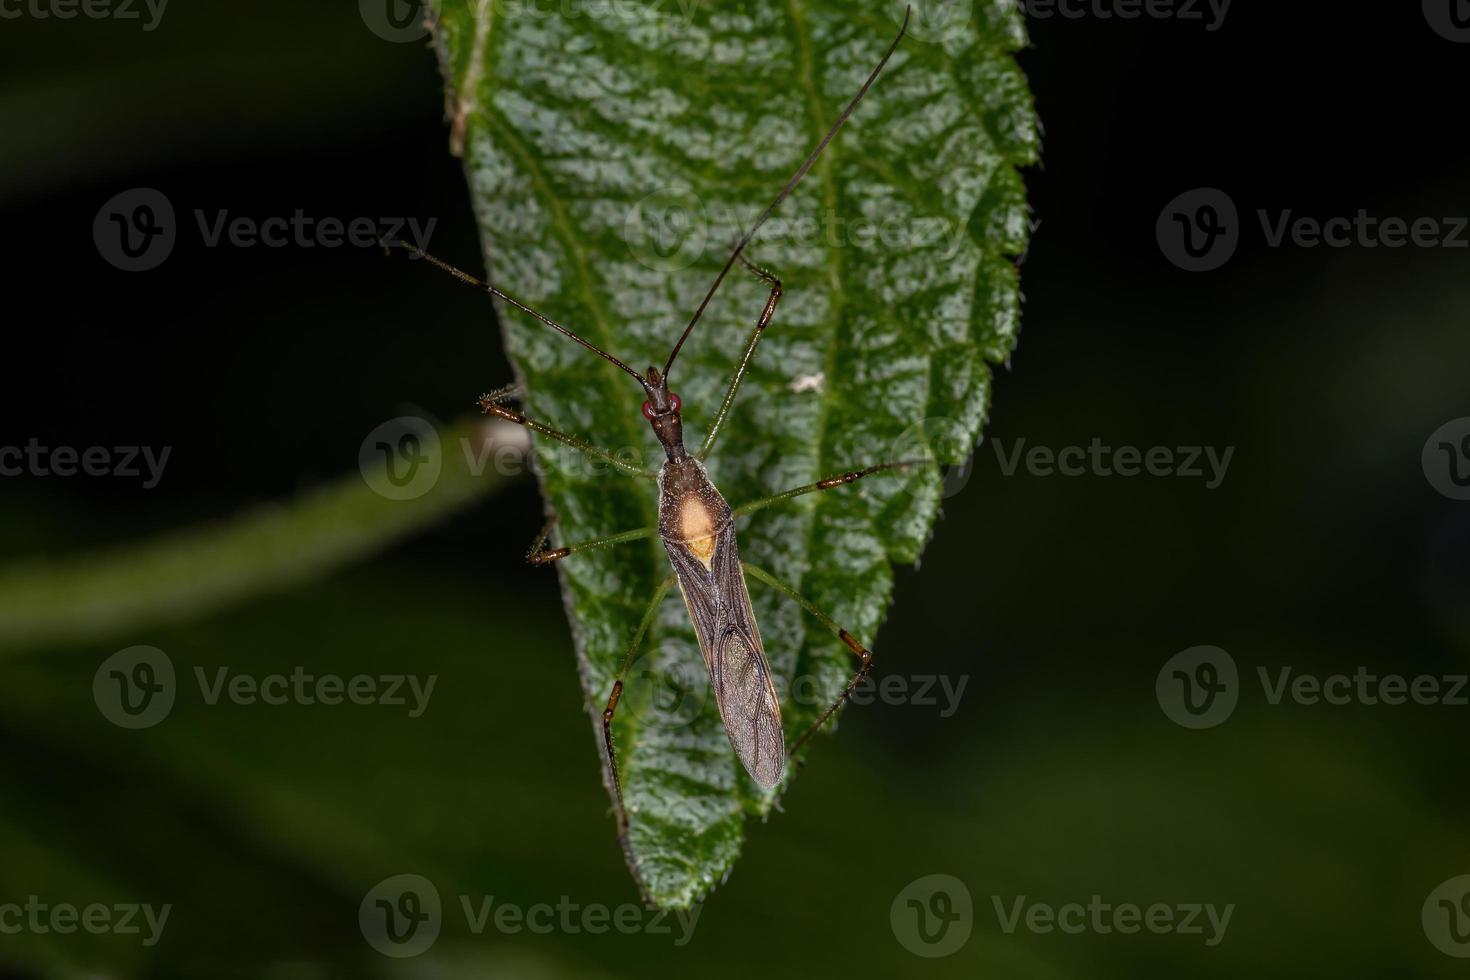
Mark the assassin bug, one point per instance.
(696, 524)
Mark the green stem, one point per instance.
(188, 574)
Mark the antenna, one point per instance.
(786, 191)
(470, 280)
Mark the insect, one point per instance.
(697, 525)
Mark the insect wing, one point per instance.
(740, 677)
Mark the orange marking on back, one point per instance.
(697, 528)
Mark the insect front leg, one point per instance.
(748, 356)
(863, 654)
(540, 554)
(830, 483)
(490, 405)
(617, 693)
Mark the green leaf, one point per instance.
(614, 152)
(189, 574)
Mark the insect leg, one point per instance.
(831, 482)
(491, 406)
(864, 655)
(745, 359)
(542, 555)
(612, 704)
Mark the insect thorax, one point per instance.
(690, 510)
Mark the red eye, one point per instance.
(674, 402)
(648, 411)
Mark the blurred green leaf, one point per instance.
(194, 572)
(614, 151)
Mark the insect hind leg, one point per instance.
(612, 705)
(541, 554)
(863, 654)
(494, 404)
(755, 338)
(832, 483)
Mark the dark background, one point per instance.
(1325, 548)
